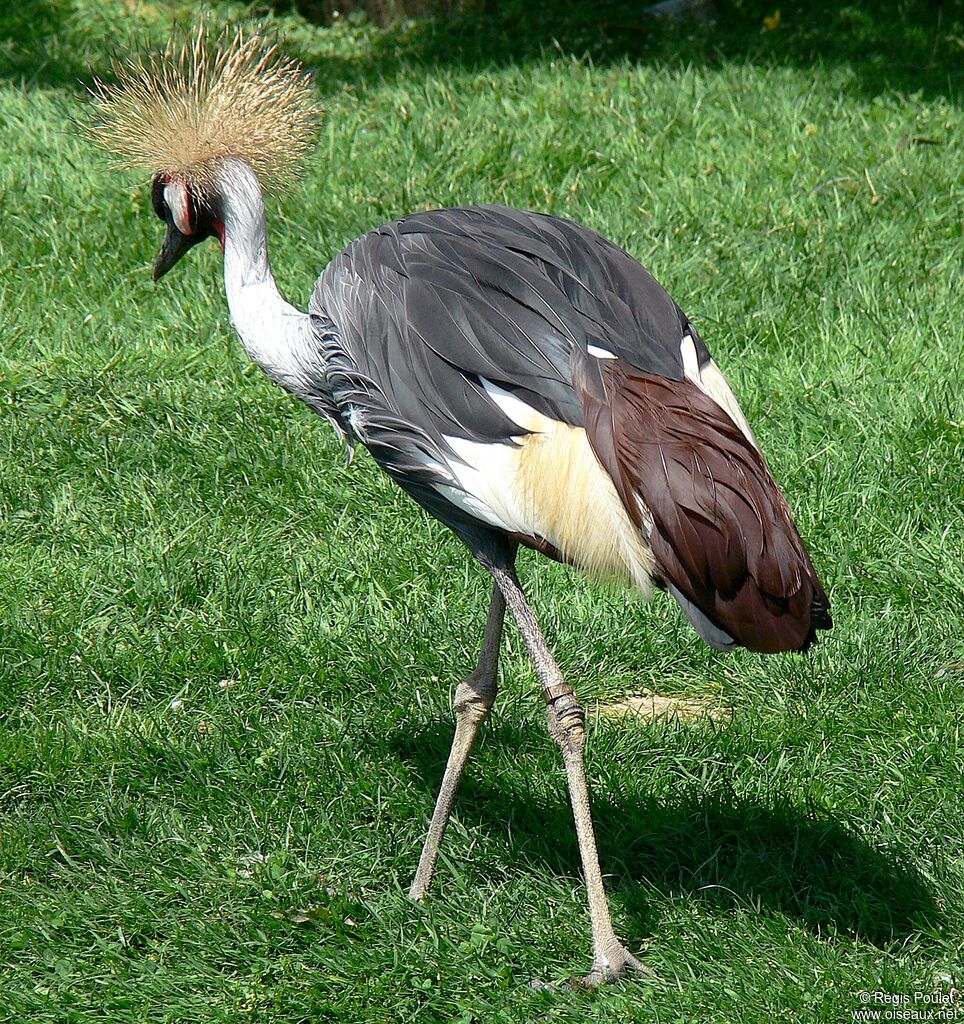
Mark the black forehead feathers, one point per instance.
(157, 197)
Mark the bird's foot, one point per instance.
(614, 965)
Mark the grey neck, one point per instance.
(274, 333)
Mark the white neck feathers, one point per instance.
(273, 332)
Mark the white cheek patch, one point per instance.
(175, 195)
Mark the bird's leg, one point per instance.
(611, 959)
(473, 699)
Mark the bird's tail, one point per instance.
(722, 536)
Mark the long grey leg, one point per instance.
(567, 728)
(473, 699)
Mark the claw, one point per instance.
(616, 966)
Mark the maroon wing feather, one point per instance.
(722, 533)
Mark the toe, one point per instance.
(615, 967)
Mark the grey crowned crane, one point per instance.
(521, 377)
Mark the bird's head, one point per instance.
(187, 113)
(190, 218)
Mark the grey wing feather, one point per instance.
(417, 320)
(414, 316)
(708, 630)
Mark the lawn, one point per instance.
(227, 656)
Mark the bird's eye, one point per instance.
(157, 198)
(173, 204)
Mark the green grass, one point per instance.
(226, 657)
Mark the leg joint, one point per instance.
(567, 723)
(474, 698)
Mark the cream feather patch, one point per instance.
(199, 102)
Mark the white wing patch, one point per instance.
(599, 353)
(549, 484)
(710, 380)
(486, 473)
(513, 407)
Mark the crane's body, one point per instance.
(524, 378)
(527, 382)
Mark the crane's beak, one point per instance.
(174, 247)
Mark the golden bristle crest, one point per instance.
(183, 111)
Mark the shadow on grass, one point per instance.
(718, 848)
(912, 46)
(36, 49)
